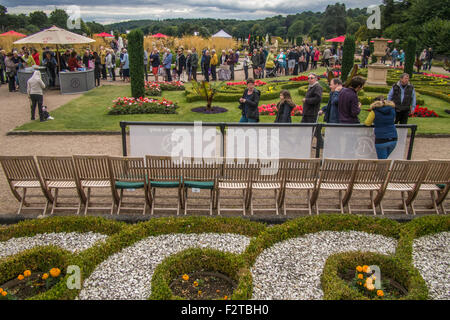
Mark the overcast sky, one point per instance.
(108, 11)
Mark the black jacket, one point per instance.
(284, 112)
(313, 98)
(252, 105)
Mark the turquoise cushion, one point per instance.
(129, 185)
(165, 184)
(441, 186)
(199, 184)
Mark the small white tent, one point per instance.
(221, 34)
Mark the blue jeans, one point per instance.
(245, 119)
(385, 149)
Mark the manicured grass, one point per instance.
(89, 112)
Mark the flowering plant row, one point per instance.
(364, 282)
(166, 85)
(125, 105)
(152, 89)
(436, 75)
(423, 112)
(257, 83)
(299, 78)
(272, 110)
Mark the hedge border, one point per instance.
(41, 258)
(335, 288)
(195, 259)
(90, 258)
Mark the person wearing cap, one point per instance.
(35, 92)
(249, 103)
(311, 102)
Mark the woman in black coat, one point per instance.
(249, 103)
(97, 68)
(284, 107)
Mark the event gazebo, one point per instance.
(12, 33)
(221, 34)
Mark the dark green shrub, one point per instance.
(136, 53)
(348, 56)
(410, 56)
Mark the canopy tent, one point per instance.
(159, 35)
(104, 35)
(55, 35)
(338, 39)
(221, 34)
(12, 33)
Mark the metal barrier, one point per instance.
(316, 129)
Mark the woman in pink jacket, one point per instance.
(316, 57)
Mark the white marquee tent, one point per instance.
(221, 34)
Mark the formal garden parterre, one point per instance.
(305, 258)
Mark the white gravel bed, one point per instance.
(431, 256)
(127, 274)
(291, 270)
(72, 241)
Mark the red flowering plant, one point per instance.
(436, 75)
(166, 85)
(257, 83)
(125, 105)
(423, 112)
(299, 78)
(152, 88)
(272, 110)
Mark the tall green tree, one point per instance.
(136, 56)
(296, 29)
(39, 19)
(59, 17)
(334, 22)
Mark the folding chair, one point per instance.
(370, 176)
(405, 176)
(335, 175)
(266, 176)
(236, 177)
(298, 175)
(437, 182)
(93, 172)
(201, 174)
(165, 173)
(22, 173)
(129, 173)
(59, 173)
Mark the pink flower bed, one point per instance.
(257, 83)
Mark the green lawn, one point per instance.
(89, 112)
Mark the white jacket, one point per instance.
(35, 85)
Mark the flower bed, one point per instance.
(435, 75)
(240, 83)
(152, 89)
(299, 78)
(271, 110)
(423, 112)
(125, 105)
(169, 85)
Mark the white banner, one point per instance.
(268, 142)
(358, 143)
(177, 141)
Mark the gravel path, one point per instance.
(291, 270)
(72, 241)
(127, 274)
(431, 256)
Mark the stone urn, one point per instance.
(377, 72)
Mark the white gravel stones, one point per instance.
(431, 256)
(291, 270)
(127, 274)
(72, 241)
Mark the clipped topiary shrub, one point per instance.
(410, 56)
(136, 53)
(348, 56)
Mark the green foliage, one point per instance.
(333, 22)
(348, 56)
(207, 91)
(58, 17)
(136, 56)
(410, 55)
(196, 259)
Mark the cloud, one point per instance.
(115, 10)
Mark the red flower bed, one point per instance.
(257, 83)
(423, 112)
(271, 110)
(299, 78)
(436, 75)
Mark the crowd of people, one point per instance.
(343, 107)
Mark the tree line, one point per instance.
(425, 20)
